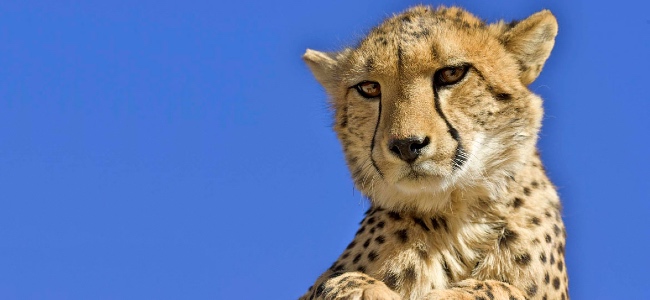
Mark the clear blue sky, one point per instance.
(182, 150)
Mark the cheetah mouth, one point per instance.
(421, 171)
(417, 176)
(425, 177)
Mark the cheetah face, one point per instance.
(436, 101)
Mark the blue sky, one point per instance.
(182, 150)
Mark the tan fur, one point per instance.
(475, 214)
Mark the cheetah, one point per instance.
(439, 131)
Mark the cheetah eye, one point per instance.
(369, 89)
(450, 75)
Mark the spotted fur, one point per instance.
(473, 215)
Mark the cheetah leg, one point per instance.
(350, 286)
(471, 289)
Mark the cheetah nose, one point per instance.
(408, 149)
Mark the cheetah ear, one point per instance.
(531, 42)
(323, 65)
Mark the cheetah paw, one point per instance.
(354, 286)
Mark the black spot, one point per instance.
(394, 215)
(319, 289)
(560, 265)
(526, 191)
(391, 279)
(372, 255)
(443, 221)
(531, 290)
(552, 260)
(370, 64)
(512, 24)
(508, 237)
(381, 224)
(490, 295)
(523, 67)
(479, 298)
(361, 269)
(409, 274)
(338, 268)
(421, 223)
(361, 230)
(370, 281)
(535, 220)
(372, 230)
(356, 258)
(366, 243)
(478, 286)
(542, 257)
(548, 238)
(380, 239)
(333, 265)
(556, 283)
(435, 224)
(422, 253)
(517, 202)
(351, 245)
(534, 184)
(344, 117)
(402, 235)
(434, 51)
(327, 290)
(523, 259)
(505, 287)
(345, 255)
(556, 230)
(351, 285)
(335, 274)
(353, 160)
(369, 211)
(560, 249)
(371, 220)
(547, 278)
(503, 96)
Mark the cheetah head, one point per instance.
(434, 101)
